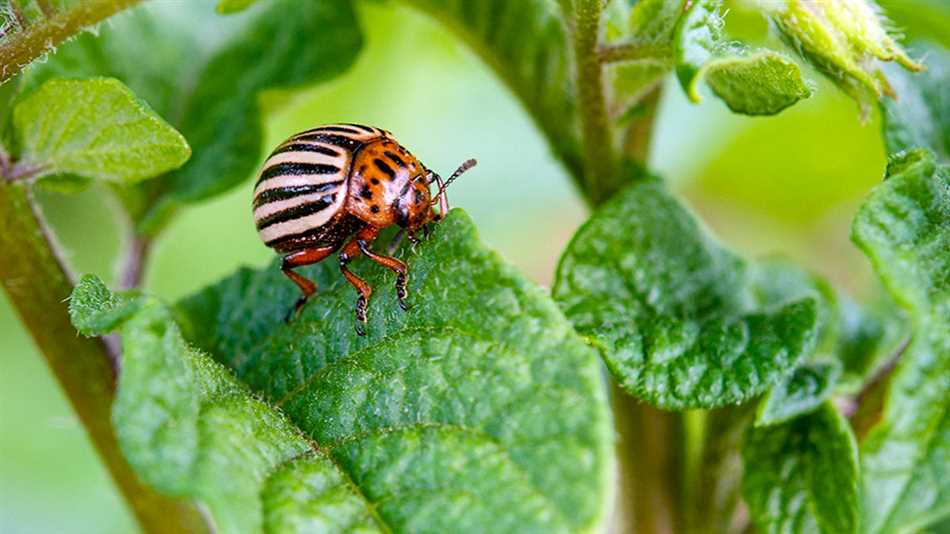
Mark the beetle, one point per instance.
(335, 187)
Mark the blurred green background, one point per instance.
(789, 183)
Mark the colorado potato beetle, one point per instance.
(334, 188)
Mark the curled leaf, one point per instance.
(749, 81)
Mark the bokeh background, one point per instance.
(787, 184)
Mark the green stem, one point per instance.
(38, 286)
(650, 457)
(601, 178)
(35, 40)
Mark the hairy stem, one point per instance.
(38, 285)
(36, 40)
(601, 178)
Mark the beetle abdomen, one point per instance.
(304, 182)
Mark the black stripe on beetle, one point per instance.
(291, 191)
(360, 127)
(396, 159)
(296, 212)
(381, 165)
(307, 147)
(341, 141)
(296, 168)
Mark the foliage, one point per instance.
(483, 406)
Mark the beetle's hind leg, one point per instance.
(350, 251)
(300, 258)
(396, 266)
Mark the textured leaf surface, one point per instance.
(802, 476)
(920, 116)
(479, 409)
(207, 85)
(526, 43)
(96, 129)
(751, 82)
(799, 393)
(190, 429)
(672, 310)
(904, 228)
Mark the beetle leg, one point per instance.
(350, 251)
(300, 258)
(394, 265)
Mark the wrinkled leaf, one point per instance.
(672, 310)
(190, 429)
(478, 407)
(751, 82)
(526, 43)
(904, 228)
(96, 129)
(207, 85)
(802, 476)
(920, 117)
(799, 393)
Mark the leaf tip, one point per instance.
(95, 310)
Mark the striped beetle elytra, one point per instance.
(336, 187)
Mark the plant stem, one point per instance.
(133, 266)
(601, 178)
(23, 47)
(38, 286)
(651, 461)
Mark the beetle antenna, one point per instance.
(468, 164)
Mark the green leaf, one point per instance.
(527, 45)
(672, 310)
(96, 129)
(478, 409)
(802, 476)
(751, 82)
(868, 336)
(94, 310)
(920, 116)
(799, 393)
(208, 85)
(189, 429)
(904, 228)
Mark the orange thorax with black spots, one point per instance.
(388, 185)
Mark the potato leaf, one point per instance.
(672, 310)
(751, 82)
(478, 409)
(802, 476)
(920, 117)
(904, 228)
(96, 129)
